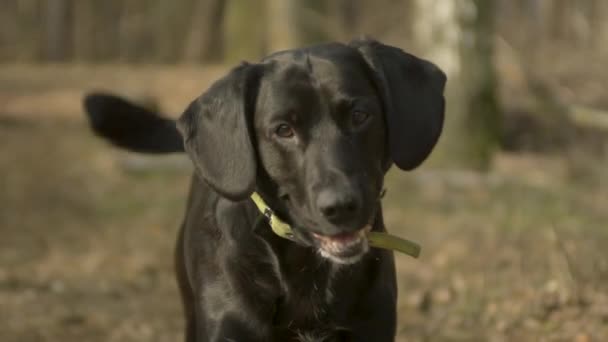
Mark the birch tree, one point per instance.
(458, 35)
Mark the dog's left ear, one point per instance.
(216, 132)
(412, 92)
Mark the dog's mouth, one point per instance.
(343, 248)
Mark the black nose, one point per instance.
(337, 207)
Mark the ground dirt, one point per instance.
(87, 231)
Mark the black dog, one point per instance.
(312, 131)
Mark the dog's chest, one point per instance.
(306, 299)
(309, 300)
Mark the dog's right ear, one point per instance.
(412, 92)
(216, 132)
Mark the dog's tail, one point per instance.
(130, 126)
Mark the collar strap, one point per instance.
(376, 239)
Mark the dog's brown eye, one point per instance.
(284, 131)
(359, 117)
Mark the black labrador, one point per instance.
(313, 132)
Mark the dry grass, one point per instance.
(87, 232)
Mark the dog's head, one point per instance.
(314, 130)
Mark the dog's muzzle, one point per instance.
(344, 248)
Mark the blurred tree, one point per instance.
(281, 31)
(598, 11)
(58, 30)
(133, 42)
(28, 37)
(107, 16)
(459, 36)
(345, 15)
(96, 29)
(245, 30)
(84, 30)
(311, 19)
(257, 27)
(205, 39)
(292, 23)
(8, 30)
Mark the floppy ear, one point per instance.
(412, 92)
(216, 132)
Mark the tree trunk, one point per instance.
(136, 31)
(245, 30)
(84, 34)
(107, 29)
(171, 25)
(345, 15)
(9, 31)
(29, 38)
(459, 36)
(312, 21)
(205, 40)
(58, 24)
(295, 23)
(598, 25)
(281, 31)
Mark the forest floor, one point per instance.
(87, 231)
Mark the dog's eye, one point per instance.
(284, 131)
(359, 117)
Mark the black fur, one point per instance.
(130, 126)
(224, 109)
(350, 111)
(413, 93)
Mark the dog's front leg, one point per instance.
(380, 304)
(228, 318)
(230, 310)
(381, 327)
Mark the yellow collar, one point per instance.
(376, 239)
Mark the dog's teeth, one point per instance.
(331, 247)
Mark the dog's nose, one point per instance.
(337, 207)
